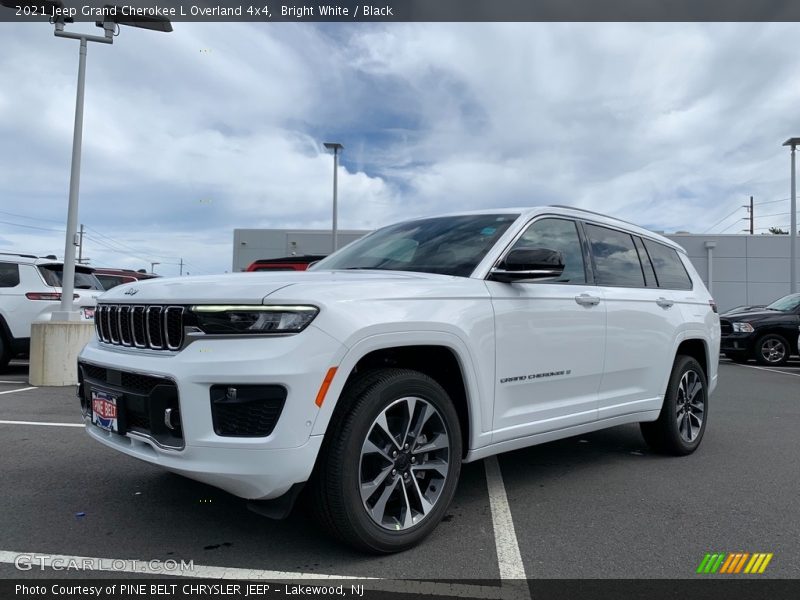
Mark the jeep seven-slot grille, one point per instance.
(152, 326)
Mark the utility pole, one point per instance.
(751, 215)
(80, 245)
(181, 266)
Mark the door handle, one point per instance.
(664, 303)
(587, 300)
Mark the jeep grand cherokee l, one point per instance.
(370, 378)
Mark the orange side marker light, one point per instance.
(323, 389)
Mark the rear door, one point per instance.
(642, 323)
(550, 338)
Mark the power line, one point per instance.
(32, 227)
(729, 226)
(31, 218)
(723, 219)
(773, 215)
(773, 201)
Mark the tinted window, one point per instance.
(649, 275)
(447, 245)
(9, 275)
(615, 258)
(560, 235)
(85, 281)
(669, 269)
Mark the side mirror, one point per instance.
(529, 263)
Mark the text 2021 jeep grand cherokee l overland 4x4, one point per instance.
(422, 345)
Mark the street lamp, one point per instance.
(336, 147)
(793, 143)
(109, 25)
(153, 266)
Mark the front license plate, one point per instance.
(104, 410)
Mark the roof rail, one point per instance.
(592, 212)
(18, 254)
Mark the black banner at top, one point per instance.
(405, 10)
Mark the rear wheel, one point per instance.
(772, 350)
(684, 414)
(390, 463)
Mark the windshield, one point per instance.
(786, 304)
(445, 245)
(83, 281)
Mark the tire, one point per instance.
(738, 357)
(5, 354)
(358, 492)
(669, 434)
(771, 350)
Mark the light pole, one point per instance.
(336, 147)
(793, 143)
(153, 266)
(109, 25)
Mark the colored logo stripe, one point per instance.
(734, 562)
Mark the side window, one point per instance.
(669, 269)
(560, 235)
(649, 275)
(615, 257)
(9, 275)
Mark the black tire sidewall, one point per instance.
(786, 349)
(379, 398)
(669, 422)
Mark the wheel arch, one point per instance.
(443, 357)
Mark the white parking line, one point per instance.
(154, 568)
(772, 370)
(12, 381)
(505, 537)
(19, 390)
(42, 423)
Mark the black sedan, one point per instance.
(768, 334)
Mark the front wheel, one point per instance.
(390, 463)
(772, 350)
(684, 414)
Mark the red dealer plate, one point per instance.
(104, 410)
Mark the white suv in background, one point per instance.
(370, 378)
(30, 290)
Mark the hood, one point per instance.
(756, 314)
(244, 288)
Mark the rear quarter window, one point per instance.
(670, 271)
(9, 275)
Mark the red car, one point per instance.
(288, 263)
(113, 277)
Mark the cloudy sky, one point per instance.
(219, 126)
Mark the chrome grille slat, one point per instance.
(153, 327)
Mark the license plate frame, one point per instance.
(105, 410)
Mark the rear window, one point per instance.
(9, 275)
(669, 268)
(83, 281)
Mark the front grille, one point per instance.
(246, 410)
(142, 400)
(153, 326)
(725, 327)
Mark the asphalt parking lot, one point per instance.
(595, 506)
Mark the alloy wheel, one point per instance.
(404, 463)
(773, 350)
(691, 406)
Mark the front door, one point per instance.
(550, 337)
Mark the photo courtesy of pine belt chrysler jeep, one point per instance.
(366, 381)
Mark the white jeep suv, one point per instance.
(373, 376)
(30, 290)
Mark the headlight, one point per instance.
(743, 328)
(253, 318)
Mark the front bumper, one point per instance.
(261, 467)
(736, 342)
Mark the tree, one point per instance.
(778, 231)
